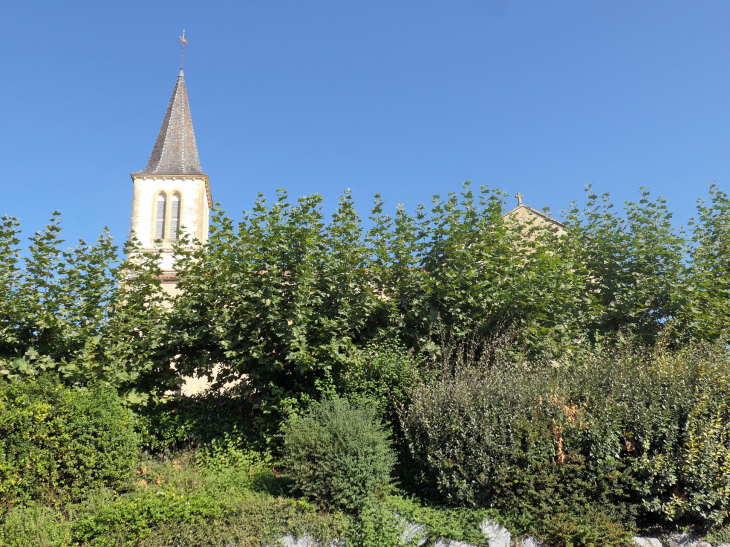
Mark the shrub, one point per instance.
(590, 528)
(666, 414)
(719, 535)
(382, 372)
(338, 454)
(183, 422)
(377, 526)
(464, 426)
(250, 522)
(635, 431)
(35, 527)
(226, 454)
(175, 503)
(59, 441)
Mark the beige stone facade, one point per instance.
(525, 215)
(195, 204)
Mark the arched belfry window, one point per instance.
(160, 216)
(175, 216)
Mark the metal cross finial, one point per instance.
(519, 198)
(183, 41)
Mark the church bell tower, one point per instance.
(172, 194)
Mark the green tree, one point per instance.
(280, 300)
(81, 312)
(635, 264)
(708, 311)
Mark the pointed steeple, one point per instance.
(175, 152)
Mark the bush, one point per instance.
(382, 372)
(57, 441)
(250, 522)
(175, 502)
(376, 526)
(666, 414)
(633, 432)
(35, 527)
(393, 521)
(182, 422)
(338, 454)
(590, 528)
(718, 535)
(476, 417)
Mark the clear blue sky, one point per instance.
(406, 98)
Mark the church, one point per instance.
(173, 193)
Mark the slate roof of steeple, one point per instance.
(175, 152)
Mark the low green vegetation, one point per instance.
(338, 454)
(60, 444)
(173, 502)
(441, 368)
(632, 434)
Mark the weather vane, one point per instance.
(183, 41)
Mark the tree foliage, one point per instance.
(81, 312)
(284, 296)
(287, 298)
(708, 288)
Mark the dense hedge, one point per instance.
(183, 508)
(57, 442)
(643, 432)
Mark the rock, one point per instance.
(496, 534)
(308, 541)
(530, 541)
(291, 541)
(686, 540)
(647, 542)
(412, 531)
(419, 532)
(679, 540)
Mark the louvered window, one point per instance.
(160, 217)
(175, 216)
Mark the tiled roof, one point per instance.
(175, 152)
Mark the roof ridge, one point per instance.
(535, 211)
